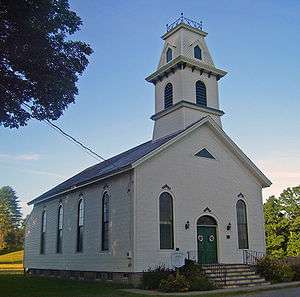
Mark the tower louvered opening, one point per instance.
(168, 95)
(201, 93)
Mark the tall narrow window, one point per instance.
(169, 55)
(105, 222)
(80, 222)
(201, 93)
(168, 95)
(242, 224)
(59, 229)
(166, 221)
(197, 52)
(43, 232)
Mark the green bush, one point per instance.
(296, 269)
(177, 283)
(201, 283)
(153, 276)
(190, 277)
(191, 270)
(274, 270)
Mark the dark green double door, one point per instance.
(207, 244)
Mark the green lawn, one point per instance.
(11, 262)
(14, 285)
(21, 286)
(12, 258)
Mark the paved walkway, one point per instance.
(276, 290)
(288, 292)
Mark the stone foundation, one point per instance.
(132, 278)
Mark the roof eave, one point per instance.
(34, 201)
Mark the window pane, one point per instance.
(80, 239)
(242, 225)
(169, 55)
(197, 52)
(59, 241)
(60, 217)
(201, 93)
(168, 95)
(80, 213)
(44, 222)
(80, 225)
(42, 250)
(105, 222)
(206, 220)
(166, 221)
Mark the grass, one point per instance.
(13, 285)
(12, 258)
(11, 262)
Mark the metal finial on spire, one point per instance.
(184, 20)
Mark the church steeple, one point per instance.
(186, 80)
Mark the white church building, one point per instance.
(190, 188)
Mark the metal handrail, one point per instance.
(182, 19)
(251, 257)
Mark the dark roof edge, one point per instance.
(86, 183)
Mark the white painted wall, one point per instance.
(92, 258)
(196, 183)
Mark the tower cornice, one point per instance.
(181, 62)
(184, 103)
(185, 26)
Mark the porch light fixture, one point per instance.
(228, 227)
(187, 225)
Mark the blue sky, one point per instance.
(257, 42)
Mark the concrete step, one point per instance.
(232, 278)
(246, 285)
(233, 274)
(241, 281)
(227, 270)
(225, 265)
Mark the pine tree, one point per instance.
(11, 231)
(9, 197)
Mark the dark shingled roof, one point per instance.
(113, 165)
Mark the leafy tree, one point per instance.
(39, 63)
(276, 228)
(282, 222)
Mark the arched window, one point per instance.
(60, 216)
(197, 52)
(201, 93)
(168, 95)
(80, 222)
(43, 232)
(242, 227)
(105, 222)
(169, 55)
(166, 221)
(207, 221)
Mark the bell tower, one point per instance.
(186, 79)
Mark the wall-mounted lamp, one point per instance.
(187, 225)
(228, 227)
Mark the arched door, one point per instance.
(207, 240)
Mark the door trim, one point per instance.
(196, 233)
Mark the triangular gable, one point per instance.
(264, 181)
